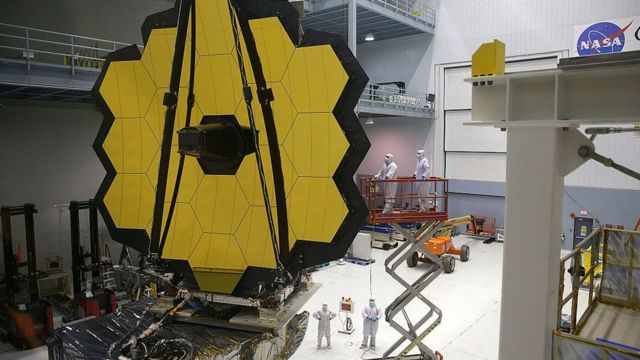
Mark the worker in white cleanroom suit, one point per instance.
(388, 172)
(423, 172)
(370, 315)
(324, 317)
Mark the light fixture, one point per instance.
(369, 121)
(369, 37)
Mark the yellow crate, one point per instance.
(488, 59)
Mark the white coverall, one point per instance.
(423, 172)
(371, 316)
(324, 318)
(388, 172)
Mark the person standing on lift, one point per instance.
(422, 173)
(388, 172)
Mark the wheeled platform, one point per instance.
(441, 245)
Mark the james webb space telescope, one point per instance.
(230, 146)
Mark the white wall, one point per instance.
(529, 28)
(47, 155)
(526, 26)
(472, 152)
(406, 59)
(48, 160)
(465, 147)
(399, 136)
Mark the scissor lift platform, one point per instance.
(406, 200)
(409, 194)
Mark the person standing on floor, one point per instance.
(324, 317)
(370, 316)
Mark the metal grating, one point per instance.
(382, 18)
(30, 92)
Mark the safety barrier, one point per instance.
(395, 98)
(404, 205)
(594, 242)
(616, 253)
(43, 46)
(416, 9)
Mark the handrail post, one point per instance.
(73, 58)
(575, 285)
(28, 50)
(595, 258)
(560, 295)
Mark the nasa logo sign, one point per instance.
(606, 37)
(601, 38)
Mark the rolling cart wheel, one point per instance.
(464, 253)
(412, 261)
(448, 263)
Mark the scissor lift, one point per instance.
(406, 208)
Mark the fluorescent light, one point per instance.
(369, 37)
(369, 121)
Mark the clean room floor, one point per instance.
(469, 298)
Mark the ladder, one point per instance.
(107, 274)
(108, 278)
(411, 331)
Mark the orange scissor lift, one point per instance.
(404, 207)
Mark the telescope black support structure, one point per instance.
(77, 252)
(10, 264)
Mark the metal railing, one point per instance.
(33, 45)
(578, 277)
(395, 97)
(413, 9)
(404, 199)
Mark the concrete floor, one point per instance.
(469, 298)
